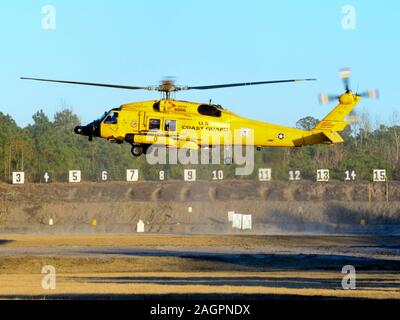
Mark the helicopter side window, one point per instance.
(112, 118)
(170, 125)
(209, 110)
(154, 124)
(156, 106)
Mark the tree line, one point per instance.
(51, 146)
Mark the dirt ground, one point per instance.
(303, 234)
(276, 207)
(146, 266)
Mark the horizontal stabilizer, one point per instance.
(332, 136)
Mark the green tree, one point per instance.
(307, 123)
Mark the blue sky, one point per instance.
(199, 43)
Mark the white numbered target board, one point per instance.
(322, 175)
(294, 175)
(46, 177)
(18, 177)
(104, 176)
(264, 174)
(74, 176)
(379, 175)
(218, 175)
(350, 175)
(189, 174)
(132, 175)
(161, 175)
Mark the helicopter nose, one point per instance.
(90, 130)
(84, 130)
(78, 130)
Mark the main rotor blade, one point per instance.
(91, 84)
(242, 84)
(345, 73)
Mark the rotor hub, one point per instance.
(347, 98)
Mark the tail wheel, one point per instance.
(137, 150)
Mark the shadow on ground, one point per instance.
(251, 281)
(267, 262)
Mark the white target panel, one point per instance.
(246, 221)
(237, 221)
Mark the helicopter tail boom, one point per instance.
(335, 120)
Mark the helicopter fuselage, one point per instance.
(182, 124)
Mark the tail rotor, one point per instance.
(345, 74)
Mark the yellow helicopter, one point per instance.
(166, 121)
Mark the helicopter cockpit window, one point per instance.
(154, 124)
(103, 116)
(112, 118)
(209, 110)
(170, 125)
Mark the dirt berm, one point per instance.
(276, 207)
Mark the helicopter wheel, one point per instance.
(137, 150)
(228, 160)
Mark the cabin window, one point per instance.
(112, 118)
(209, 110)
(170, 125)
(156, 106)
(154, 124)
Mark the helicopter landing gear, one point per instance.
(228, 160)
(137, 150)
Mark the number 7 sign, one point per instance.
(132, 175)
